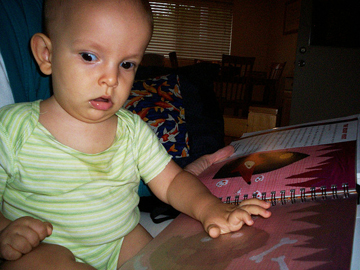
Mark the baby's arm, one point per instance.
(187, 194)
(20, 236)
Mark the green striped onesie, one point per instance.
(90, 199)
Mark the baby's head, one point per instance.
(56, 11)
(92, 49)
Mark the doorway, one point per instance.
(327, 70)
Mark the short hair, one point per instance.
(51, 8)
(48, 14)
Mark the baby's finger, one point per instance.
(221, 154)
(238, 218)
(23, 239)
(255, 201)
(33, 230)
(256, 210)
(43, 229)
(9, 253)
(213, 230)
(49, 228)
(20, 245)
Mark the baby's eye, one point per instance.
(127, 65)
(88, 57)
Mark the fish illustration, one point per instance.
(157, 122)
(133, 101)
(170, 136)
(149, 88)
(164, 94)
(166, 105)
(144, 112)
(258, 163)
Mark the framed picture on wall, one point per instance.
(292, 16)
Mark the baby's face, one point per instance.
(95, 54)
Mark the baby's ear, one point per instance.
(41, 49)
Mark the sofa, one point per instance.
(181, 107)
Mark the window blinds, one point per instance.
(198, 29)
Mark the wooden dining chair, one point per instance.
(276, 70)
(233, 85)
(173, 60)
(153, 59)
(269, 84)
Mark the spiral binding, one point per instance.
(282, 197)
(334, 191)
(292, 195)
(313, 194)
(273, 198)
(302, 194)
(346, 189)
(293, 198)
(323, 192)
(237, 199)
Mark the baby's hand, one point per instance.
(21, 236)
(227, 218)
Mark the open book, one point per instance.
(297, 162)
(308, 172)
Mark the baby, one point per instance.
(70, 165)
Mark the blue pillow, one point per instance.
(158, 102)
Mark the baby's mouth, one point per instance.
(101, 103)
(102, 99)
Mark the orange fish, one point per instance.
(140, 93)
(177, 91)
(144, 112)
(164, 94)
(166, 105)
(258, 163)
(149, 88)
(180, 120)
(157, 122)
(170, 136)
(172, 149)
(132, 101)
(184, 152)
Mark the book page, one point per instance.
(286, 161)
(319, 133)
(311, 235)
(284, 172)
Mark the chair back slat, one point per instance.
(233, 83)
(276, 70)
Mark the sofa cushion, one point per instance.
(204, 121)
(158, 101)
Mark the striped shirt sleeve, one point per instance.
(151, 156)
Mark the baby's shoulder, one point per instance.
(128, 118)
(132, 123)
(15, 112)
(16, 117)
